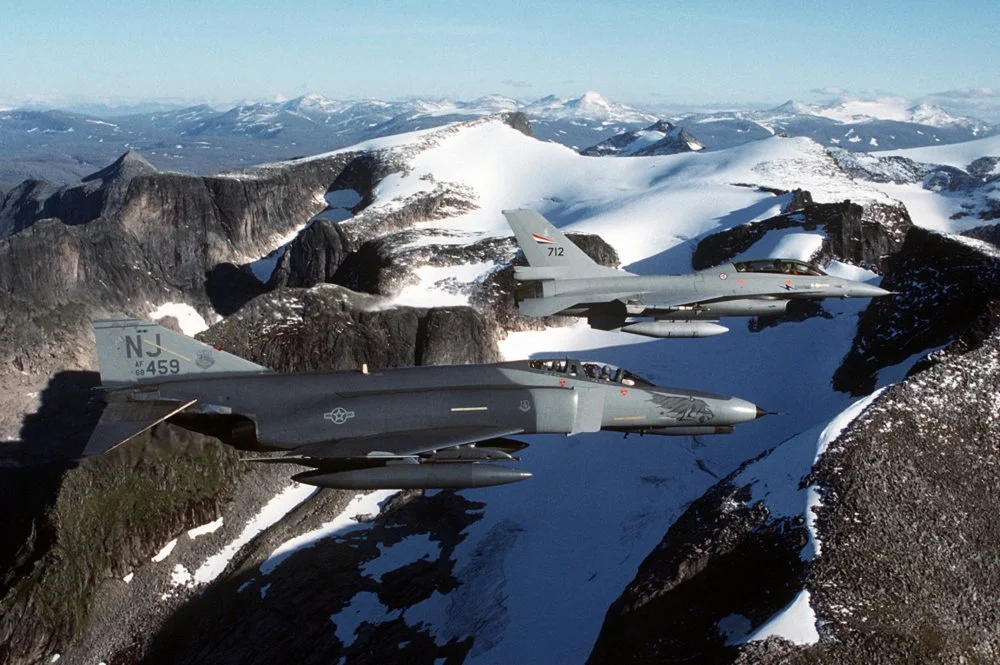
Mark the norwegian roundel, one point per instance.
(723, 275)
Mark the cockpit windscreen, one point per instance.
(781, 266)
(588, 369)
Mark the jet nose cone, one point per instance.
(761, 412)
(741, 411)
(867, 291)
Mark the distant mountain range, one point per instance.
(61, 146)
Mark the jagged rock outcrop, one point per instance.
(332, 328)
(518, 121)
(99, 194)
(907, 525)
(725, 556)
(977, 183)
(947, 285)
(107, 517)
(863, 166)
(660, 138)
(989, 233)
(314, 257)
(167, 232)
(386, 265)
(864, 235)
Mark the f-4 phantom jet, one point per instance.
(561, 279)
(408, 427)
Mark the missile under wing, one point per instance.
(409, 427)
(560, 279)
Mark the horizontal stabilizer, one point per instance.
(402, 444)
(123, 420)
(546, 306)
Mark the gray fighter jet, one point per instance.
(561, 279)
(408, 427)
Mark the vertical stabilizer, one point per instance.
(134, 351)
(549, 253)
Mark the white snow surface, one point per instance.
(796, 623)
(408, 550)
(204, 529)
(274, 510)
(165, 552)
(188, 318)
(959, 155)
(368, 505)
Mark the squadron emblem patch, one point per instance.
(204, 359)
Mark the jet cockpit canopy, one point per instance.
(781, 266)
(590, 369)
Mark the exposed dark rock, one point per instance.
(249, 617)
(619, 142)
(989, 233)
(867, 236)
(674, 140)
(229, 287)
(984, 168)
(950, 179)
(329, 328)
(363, 173)
(22, 206)
(445, 200)
(860, 165)
(101, 193)
(170, 231)
(907, 526)
(108, 517)
(800, 200)
(723, 556)
(518, 121)
(864, 235)
(944, 284)
(314, 257)
(677, 141)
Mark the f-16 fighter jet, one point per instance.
(561, 279)
(408, 427)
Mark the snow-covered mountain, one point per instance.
(523, 573)
(660, 138)
(856, 125)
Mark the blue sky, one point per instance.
(649, 52)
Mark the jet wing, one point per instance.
(401, 444)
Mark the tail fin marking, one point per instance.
(545, 246)
(132, 351)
